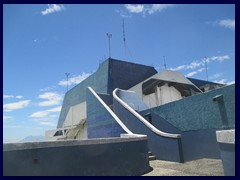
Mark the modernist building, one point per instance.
(125, 114)
(179, 115)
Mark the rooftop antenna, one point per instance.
(67, 74)
(109, 37)
(165, 66)
(124, 39)
(206, 68)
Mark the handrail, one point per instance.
(110, 111)
(144, 121)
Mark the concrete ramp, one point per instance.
(165, 146)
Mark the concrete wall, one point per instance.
(200, 112)
(226, 142)
(195, 144)
(200, 144)
(162, 95)
(162, 147)
(95, 157)
(159, 122)
(76, 115)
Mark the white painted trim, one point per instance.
(140, 118)
(110, 111)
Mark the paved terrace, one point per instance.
(200, 167)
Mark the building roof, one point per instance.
(173, 78)
(200, 83)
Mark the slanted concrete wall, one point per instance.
(95, 157)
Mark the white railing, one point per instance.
(110, 112)
(140, 118)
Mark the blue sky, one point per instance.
(43, 42)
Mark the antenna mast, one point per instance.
(165, 66)
(124, 39)
(206, 68)
(109, 37)
(67, 74)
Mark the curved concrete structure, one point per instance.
(140, 118)
(166, 146)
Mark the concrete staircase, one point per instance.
(151, 157)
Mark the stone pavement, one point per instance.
(200, 167)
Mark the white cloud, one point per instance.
(48, 88)
(215, 76)
(123, 14)
(134, 8)
(192, 65)
(21, 126)
(42, 114)
(57, 109)
(195, 64)
(228, 23)
(11, 96)
(195, 72)
(7, 118)
(222, 81)
(158, 7)
(17, 105)
(74, 80)
(19, 97)
(53, 98)
(219, 58)
(147, 9)
(53, 8)
(8, 96)
(48, 123)
(232, 82)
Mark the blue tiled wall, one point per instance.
(100, 123)
(124, 75)
(98, 81)
(201, 112)
(111, 74)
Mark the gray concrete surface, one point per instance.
(201, 167)
(226, 142)
(127, 156)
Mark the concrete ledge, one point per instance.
(95, 157)
(226, 142)
(64, 143)
(226, 136)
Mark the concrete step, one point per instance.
(150, 153)
(151, 156)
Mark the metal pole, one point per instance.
(206, 68)
(67, 74)
(109, 37)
